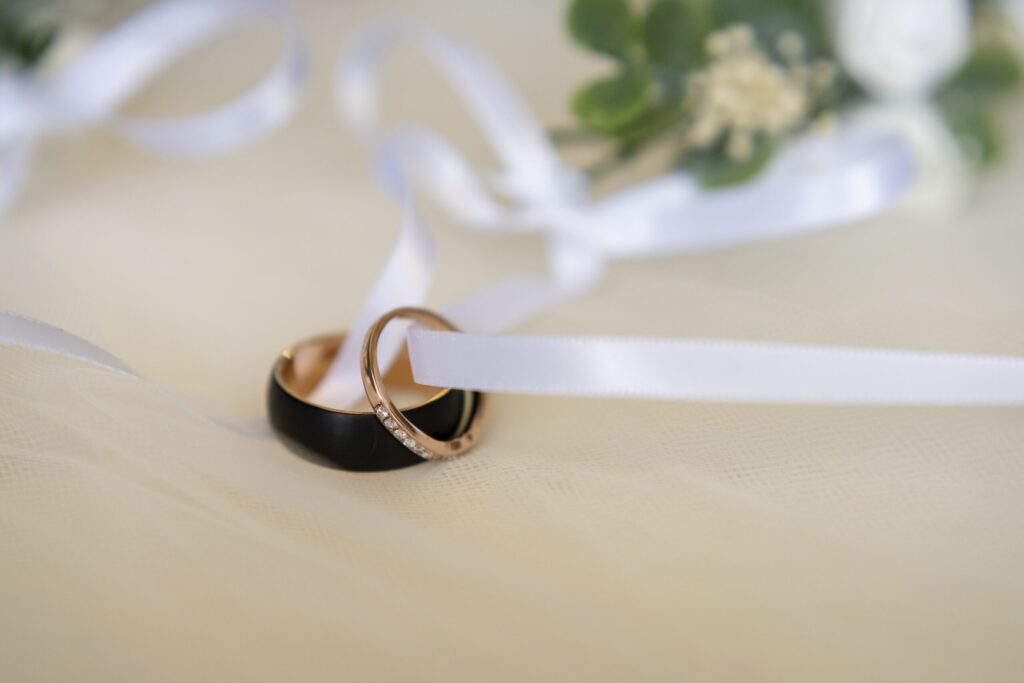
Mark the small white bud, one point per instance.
(740, 146)
(791, 46)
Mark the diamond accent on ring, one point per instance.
(400, 434)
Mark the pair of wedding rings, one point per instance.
(445, 425)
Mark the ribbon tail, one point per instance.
(700, 370)
(23, 332)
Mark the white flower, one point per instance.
(902, 48)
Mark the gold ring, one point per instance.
(411, 436)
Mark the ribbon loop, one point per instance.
(816, 184)
(90, 90)
(531, 171)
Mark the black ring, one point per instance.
(351, 440)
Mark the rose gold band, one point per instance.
(411, 436)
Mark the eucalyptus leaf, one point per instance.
(608, 105)
(21, 41)
(651, 124)
(771, 18)
(675, 32)
(967, 101)
(714, 169)
(980, 137)
(992, 70)
(33, 45)
(602, 25)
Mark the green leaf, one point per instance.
(715, 169)
(602, 25)
(608, 105)
(980, 138)
(21, 40)
(772, 18)
(33, 45)
(992, 70)
(675, 32)
(655, 121)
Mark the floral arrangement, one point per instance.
(726, 82)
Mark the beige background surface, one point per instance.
(587, 539)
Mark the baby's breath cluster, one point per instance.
(743, 92)
(708, 77)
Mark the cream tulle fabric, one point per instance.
(585, 540)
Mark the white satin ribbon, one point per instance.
(89, 91)
(23, 332)
(815, 185)
(19, 331)
(818, 183)
(711, 370)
